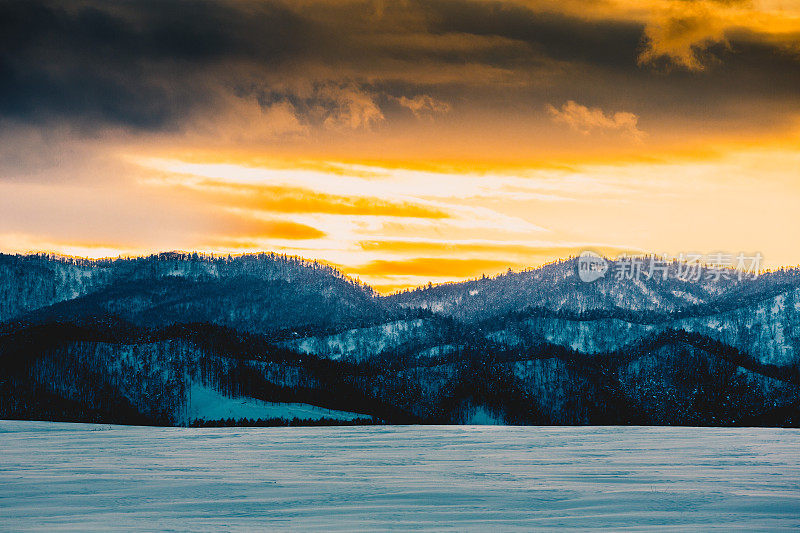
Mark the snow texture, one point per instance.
(83, 477)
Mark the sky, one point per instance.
(402, 141)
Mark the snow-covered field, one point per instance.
(84, 477)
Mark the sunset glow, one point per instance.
(402, 142)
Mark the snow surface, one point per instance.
(483, 417)
(91, 477)
(207, 404)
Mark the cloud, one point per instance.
(531, 251)
(254, 227)
(199, 69)
(349, 107)
(586, 120)
(143, 65)
(299, 200)
(431, 266)
(544, 32)
(245, 120)
(424, 105)
(681, 35)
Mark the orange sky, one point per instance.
(404, 142)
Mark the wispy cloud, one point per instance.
(348, 107)
(263, 228)
(423, 105)
(286, 199)
(432, 267)
(587, 120)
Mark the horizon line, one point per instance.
(52, 255)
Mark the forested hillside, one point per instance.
(263, 293)
(178, 339)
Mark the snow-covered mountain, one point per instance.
(263, 293)
(32, 282)
(558, 287)
(183, 338)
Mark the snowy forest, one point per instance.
(190, 339)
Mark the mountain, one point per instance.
(558, 287)
(179, 339)
(263, 293)
(32, 282)
(759, 315)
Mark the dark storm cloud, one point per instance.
(153, 65)
(558, 36)
(141, 64)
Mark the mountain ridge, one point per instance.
(82, 339)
